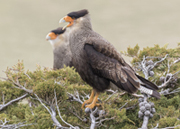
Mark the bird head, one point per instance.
(56, 37)
(72, 17)
(52, 35)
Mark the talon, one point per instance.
(89, 100)
(86, 102)
(93, 104)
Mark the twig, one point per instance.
(19, 86)
(148, 68)
(52, 113)
(123, 106)
(27, 75)
(139, 96)
(167, 80)
(75, 97)
(12, 101)
(76, 115)
(13, 126)
(162, 59)
(59, 113)
(100, 122)
(111, 95)
(173, 127)
(93, 119)
(166, 92)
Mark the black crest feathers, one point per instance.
(59, 30)
(78, 14)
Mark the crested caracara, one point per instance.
(98, 62)
(61, 51)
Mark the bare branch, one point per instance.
(147, 69)
(137, 95)
(111, 91)
(19, 86)
(27, 75)
(13, 126)
(52, 113)
(12, 101)
(75, 97)
(102, 120)
(93, 119)
(166, 127)
(162, 59)
(123, 106)
(176, 61)
(76, 115)
(60, 112)
(168, 79)
(111, 95)
(167, 91)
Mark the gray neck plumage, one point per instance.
(78, 32)
(62, 56)
(85, 22)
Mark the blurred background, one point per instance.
(24, 25)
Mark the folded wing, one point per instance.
(106, 62)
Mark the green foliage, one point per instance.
(167, 122)
(133, 51)
(45, 90)
(44, 81)
(9, 92)
(158, 52)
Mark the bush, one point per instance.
(46, 82)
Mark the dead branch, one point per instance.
(19, 86)
(111, 95)
(4, 124)
(173, 127)
(51, 112)
(168, 79)
(147, 69)
(138, 96)
(2, 106)
(59, 113)
(75, 97)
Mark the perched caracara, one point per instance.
(61, 50)
(98, 62)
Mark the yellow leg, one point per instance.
(93, 104)
(89, 100)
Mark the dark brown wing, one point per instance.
(105, 48)
(106, 62)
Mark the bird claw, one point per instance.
(86, 102)
(92, 105)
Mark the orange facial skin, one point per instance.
(70, 20)
(52, 35)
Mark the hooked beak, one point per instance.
(48, 37)
(61, 20)
(66, 19)
(51, 36)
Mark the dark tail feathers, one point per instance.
(156, 94)
(151, 86)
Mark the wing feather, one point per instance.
(104, 65)
(106, 62)
(105, 48)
